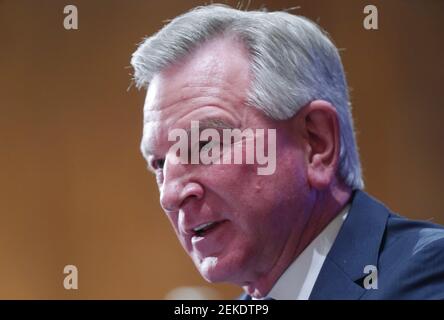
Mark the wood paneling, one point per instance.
(74, 189)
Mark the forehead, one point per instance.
(218, 66)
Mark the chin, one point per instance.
(214, 269)
(211, 270)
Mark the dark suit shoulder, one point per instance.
(412, 235)
(411, 262)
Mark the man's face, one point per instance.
(255, 220)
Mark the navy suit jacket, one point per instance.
(408, 256)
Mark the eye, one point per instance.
(203, 143)
(158, 164)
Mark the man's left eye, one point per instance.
(158, 164)
(203, 143)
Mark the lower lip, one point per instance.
(211, 241)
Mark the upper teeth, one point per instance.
(202, 226)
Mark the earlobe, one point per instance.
(322, 136)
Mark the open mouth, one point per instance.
(205, 228)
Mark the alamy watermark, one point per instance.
(371, 280)
(370, 21)
(71, 280)
(224, 146)
(71, 20)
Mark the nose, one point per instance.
(178, 187)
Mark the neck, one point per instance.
(327, 204)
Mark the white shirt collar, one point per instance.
(297, 282)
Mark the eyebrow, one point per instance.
(212, 123)
(206, 123)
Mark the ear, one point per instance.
(320, 125)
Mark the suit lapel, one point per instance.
(356, 246)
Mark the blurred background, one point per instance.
(74, 188)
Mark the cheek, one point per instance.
(230, 181)
(174, 221)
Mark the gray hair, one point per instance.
(293, 62)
